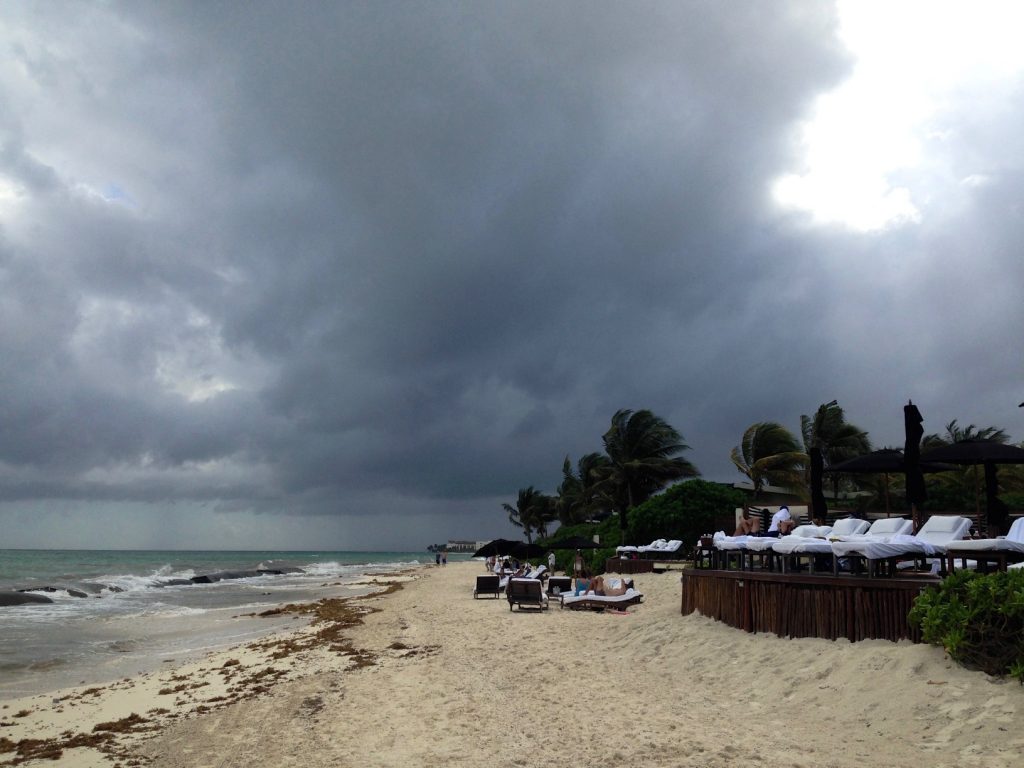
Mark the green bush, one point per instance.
(978, 619)
(684, 512)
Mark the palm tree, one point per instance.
(838, 439)
(769, 455)
(955, 433)
(641, 450)
(962, 485)
(580, 495)
(532, 512)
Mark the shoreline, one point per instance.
(426, 675)
(93, 723)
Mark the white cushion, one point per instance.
(941, 524)
(889, 525)
(848, 526)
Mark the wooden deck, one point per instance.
(634, 565)
(802, 605)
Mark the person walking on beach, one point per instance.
(437, 558)
(444, 557)
(551, 562)
(577, 564)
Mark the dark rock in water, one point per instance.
(174, 582)
(91, 588)
(39, 589)
(114, 588)
(269, 572)
(76, 592)
(22, 598)
(288, 569)
(210, 578)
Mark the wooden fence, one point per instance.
(796, 605)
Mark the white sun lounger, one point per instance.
(931, 541)
(813, 541)
(595, 602)
(817, 540)
(984, 551)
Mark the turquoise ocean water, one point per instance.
(142, 609)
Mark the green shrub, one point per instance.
(978, 619)
(684, 512)
(610, 536)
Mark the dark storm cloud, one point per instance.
(286, 258)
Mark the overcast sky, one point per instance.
(348, 275)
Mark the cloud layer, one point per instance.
(354, 273)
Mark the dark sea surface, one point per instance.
(138, 615)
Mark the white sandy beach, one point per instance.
(436, 678)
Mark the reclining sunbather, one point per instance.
(748, 525)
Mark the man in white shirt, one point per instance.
(782, 523)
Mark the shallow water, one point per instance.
(134, 621)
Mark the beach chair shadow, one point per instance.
(487, 585)
(526, 592)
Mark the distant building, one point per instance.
(454, 545)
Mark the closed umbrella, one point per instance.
(819, 509)
(913, 425)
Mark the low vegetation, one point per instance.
(978, 619)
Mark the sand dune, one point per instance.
(435, 678)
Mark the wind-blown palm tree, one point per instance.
(955, 433)
(769, 455)
(532, 512)
(580, 495)
(642, 451)
(838, 439)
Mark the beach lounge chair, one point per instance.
(559, 584)
(486, 585)
(812, 543)
(728, 547)
(540, 572)
(981, 552)
(657, 548)
(931, 541)
(526, 592)
(763, 547)
(592, 602)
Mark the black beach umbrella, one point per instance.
(885, 461)
(525, 551)
(496, 547)
(988, 453)
(574, 542)
(913, 425)
(819, 509)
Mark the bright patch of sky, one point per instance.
(884, 123)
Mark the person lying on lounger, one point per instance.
(748, 525)
(601, 588)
